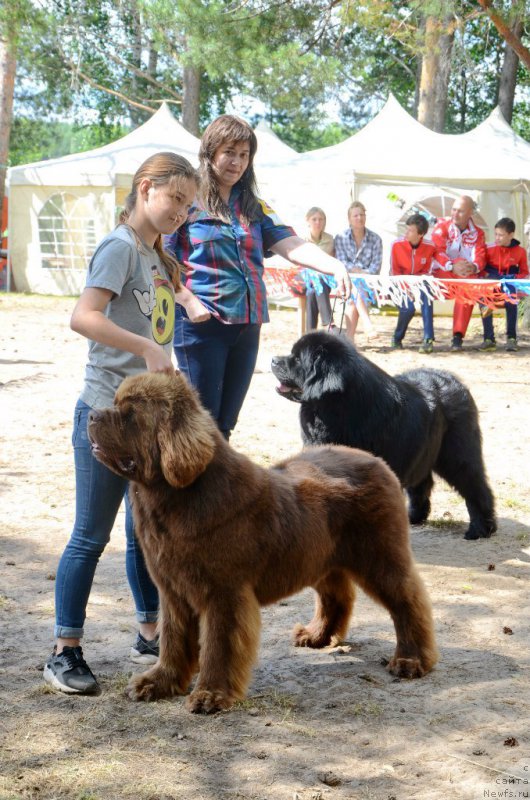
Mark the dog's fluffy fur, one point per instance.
(419, 422)
(223, 536)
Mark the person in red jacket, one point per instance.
(504, 259)
(412, 255)
(461, 246)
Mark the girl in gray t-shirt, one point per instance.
(126, 311)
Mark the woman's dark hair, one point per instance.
(224, 129)
(506, 224)
(419, 221)
(161, 169)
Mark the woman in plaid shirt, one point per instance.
(222, 245)
(361, 251)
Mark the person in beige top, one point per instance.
(319, 303)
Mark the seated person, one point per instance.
(504, 259)
(319, 302)
(412, 255)
(461, 247)
(361, 251)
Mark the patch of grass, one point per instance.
(281, 701)
(515, 504)
(441, 719)
(271, 700)
(46, 610)
(41, 689)
(523, 537)
(369, 709)
(4, 602)
(118, 682)
(442, 523)
(302, 730)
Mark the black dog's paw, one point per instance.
(482, 530)
(419, 514)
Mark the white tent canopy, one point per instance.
(100, 167)
(395, 144)
(271, 150)
(60, 208)
(395, 164)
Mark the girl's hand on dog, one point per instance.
(156, 359)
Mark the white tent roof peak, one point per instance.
(161, 124)
(99, 167)
(393, 144)
(271, 149)
(496, 125)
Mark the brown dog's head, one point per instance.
(157, 430)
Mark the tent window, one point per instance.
(67, 233)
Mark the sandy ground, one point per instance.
(316, 725)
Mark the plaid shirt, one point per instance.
(223, 262)
(368, 257)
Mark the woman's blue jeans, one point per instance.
(406, 312)
(99, 493)
(219, 361)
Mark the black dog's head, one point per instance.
(314, 368)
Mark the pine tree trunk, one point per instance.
(435, 72)
(429, 68)
(8, 65)
(419, 67)
(190, 99)
(137, 84)
(508, 78)
(443, 75)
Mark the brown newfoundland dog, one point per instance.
(223, 536)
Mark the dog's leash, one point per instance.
(331, 322)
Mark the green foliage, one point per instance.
(34, 140)
(302, 135)
(295, 57)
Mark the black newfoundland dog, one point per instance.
(420, 422)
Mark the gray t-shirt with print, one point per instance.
(143, 302)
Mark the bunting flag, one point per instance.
(384, 289)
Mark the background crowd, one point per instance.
(457, 250)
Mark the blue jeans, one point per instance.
(318, 304)
(99, 493)
(510, 308)
(511, 323)
(219, 361)
(406, 312)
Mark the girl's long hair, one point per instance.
(224, 129)
(161, 169)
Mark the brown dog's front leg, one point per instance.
(229, 639)
(179, 653)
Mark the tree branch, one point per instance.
(140, 73)
(99, 86)
(507, 34)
